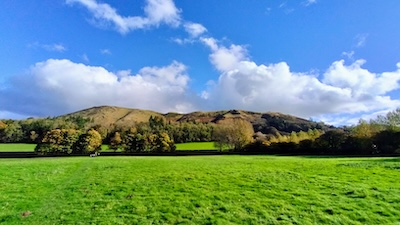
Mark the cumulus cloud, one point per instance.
(341, 95)
(194, 29)
(225, 58)
(55, 87)
(348, 89)
(360, 81)
(156, 12)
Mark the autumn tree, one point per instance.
(164, 143)
(138, 140)
(58, 141)
(116, 141)
(88, 142)
(234, 134)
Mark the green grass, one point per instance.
(13, 147)
(196, 146)
(200, 190)
(182, 146)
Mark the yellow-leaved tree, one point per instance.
(233, 134)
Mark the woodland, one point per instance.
(233, 130)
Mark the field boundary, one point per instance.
(180, 153)
(176, 153)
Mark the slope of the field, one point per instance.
(200, 190)
(267, 123)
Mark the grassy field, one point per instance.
(179, 147)
(17, 147)
(200, 190)
(196, 146)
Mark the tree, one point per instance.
(88, 142)
(361, 136)
(138, 140)
(387, 142)
(2, 125)
(391, 121)
(116, 141)
(233, 133)
(164, 143)
(58, 141)
(156, 123)
(133, 141)
(11, 133)
(331, 142)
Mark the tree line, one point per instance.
(377, 136)
(74, 135)
(33, 130)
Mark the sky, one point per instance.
(330, 61)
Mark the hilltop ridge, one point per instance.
(267, 123)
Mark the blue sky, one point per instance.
(334, 61)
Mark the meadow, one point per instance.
(13, 147)
(200, 190)
(196, 146)
(16, 147)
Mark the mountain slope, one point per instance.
(267, 123)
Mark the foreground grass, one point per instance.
(200, 190)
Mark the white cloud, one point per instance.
(156, 12)
(105, 51)
(360, 81)
(361, 39)
(342, 95)
(349, 54)
(342, 89)
(285, 7)
(350, 119)
(49, 47)
(194, 29)
(310, 2)
(56, 47)
(224, 58)
(55, 87)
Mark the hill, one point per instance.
(108, 116)
(267, 123)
